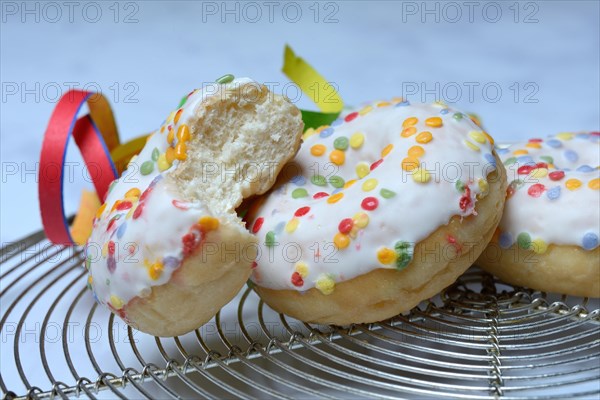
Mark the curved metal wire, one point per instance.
(479, 339)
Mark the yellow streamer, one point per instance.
(312, 83)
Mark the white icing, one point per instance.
(157, 233)
(416, 210)
(564, 219)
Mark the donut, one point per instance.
(167, 249)
(548, 237)
(380, 210)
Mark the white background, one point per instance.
(150, 53)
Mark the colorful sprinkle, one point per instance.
(484, 186)
(170, 155)
(489, 157)
(525, 169)
(336, 181)
(510, 161)
(346, 225)
(553, 193)
(147, 168)
(594, 184)
(162, 163)
(362, 169)
(325, 284)
(183, 133)
(302, 211)
(326, 132)
(365, 110)
(573, 184)
(571, 156)
(133, 192)
(585, 168)
(155, 270)
(318, 180)
(410, 164)
(471, 146)
(177, 115)
(341, 240)
(361, 220)
(299, 193)
(539, 246)
(369, 203)
(533, 145)
(298, 180)
(208, 223)
(554, 143)
(297, 279)
(292, 225)
(590, 241)
(536, 190)
(565, 135)
(301, 268)
(386, 256)
(556, 175)
(505, 240)
(341, 143)
(416, 151)
(434, 122)
(421, 175)
(404, 251)
(225, 79)
(349, 183)
(180, 151)
(408, 132)
(375, 164)
(257, 224)
(477, 136)
(410, 122)
(539, 173)
(270, 239)
(357, 140)
(335, 198)
(351, 116)
(318, 150)
(369, 185)
(116, 302)
(424, 137)
(386, 150)
(337, 157)
(386, 193)
(524, 240)
(155, 154)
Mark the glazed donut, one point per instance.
(167, 249)
(380, 210)
(548, 237)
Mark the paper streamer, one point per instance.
(97, 138)
(316, 87)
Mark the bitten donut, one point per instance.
(548, 237)
(167, 249)
(380, 210)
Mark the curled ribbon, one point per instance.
(97, 138)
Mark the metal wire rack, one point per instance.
(479, 338)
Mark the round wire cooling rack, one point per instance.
(479, 338)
